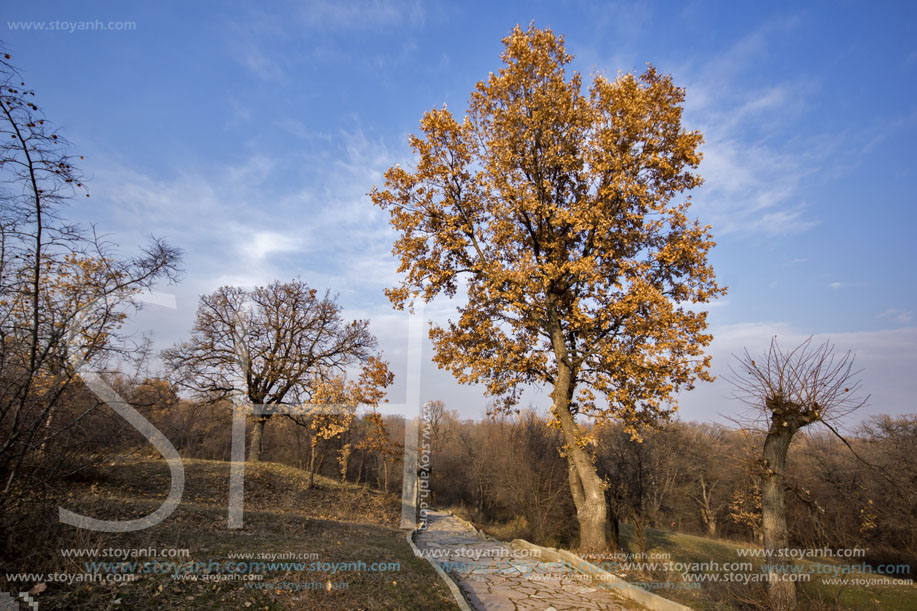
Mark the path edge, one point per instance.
(651, 601)
(480, 533)
(450, 583)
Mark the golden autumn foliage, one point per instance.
(335, 399)
(557, 208)
(745, 507)
(332, 407)
(557, 212)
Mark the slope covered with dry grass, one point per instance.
(337, 546)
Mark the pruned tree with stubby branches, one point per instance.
(558, 213)
(787, 390)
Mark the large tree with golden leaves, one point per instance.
(555, 211)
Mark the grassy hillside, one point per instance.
(814, 595)
(333, 524)
(716, 557)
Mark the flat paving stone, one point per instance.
(493, 576)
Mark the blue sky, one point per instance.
(249, 136)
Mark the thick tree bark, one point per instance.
(322, 454)
(585, 484)
(254, 450)
(780, 589)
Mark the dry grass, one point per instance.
(816, 595)
(335, 522)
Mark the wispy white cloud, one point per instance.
(846, 284)
(296, 128)
(256, 59)
(361, 14)
(752, 180)
(259, 245)
(897, 315)
(750, 188)
(706, 307)
(238, 112)
(268, 43)
(261, 219)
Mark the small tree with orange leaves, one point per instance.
(555, 211)
(333, 403)
(378, 442)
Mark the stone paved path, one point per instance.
(494, 576)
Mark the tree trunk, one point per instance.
(254, 450)
(640, 533)
(585, 485)
(614, 530)
(321, 457)
(312, 464)
(707, 511)
(49, 421)
(780, 589)
(345, 456)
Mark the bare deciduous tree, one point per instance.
(275, 344)
(789, 390)
(641, 474)
(63, 293)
